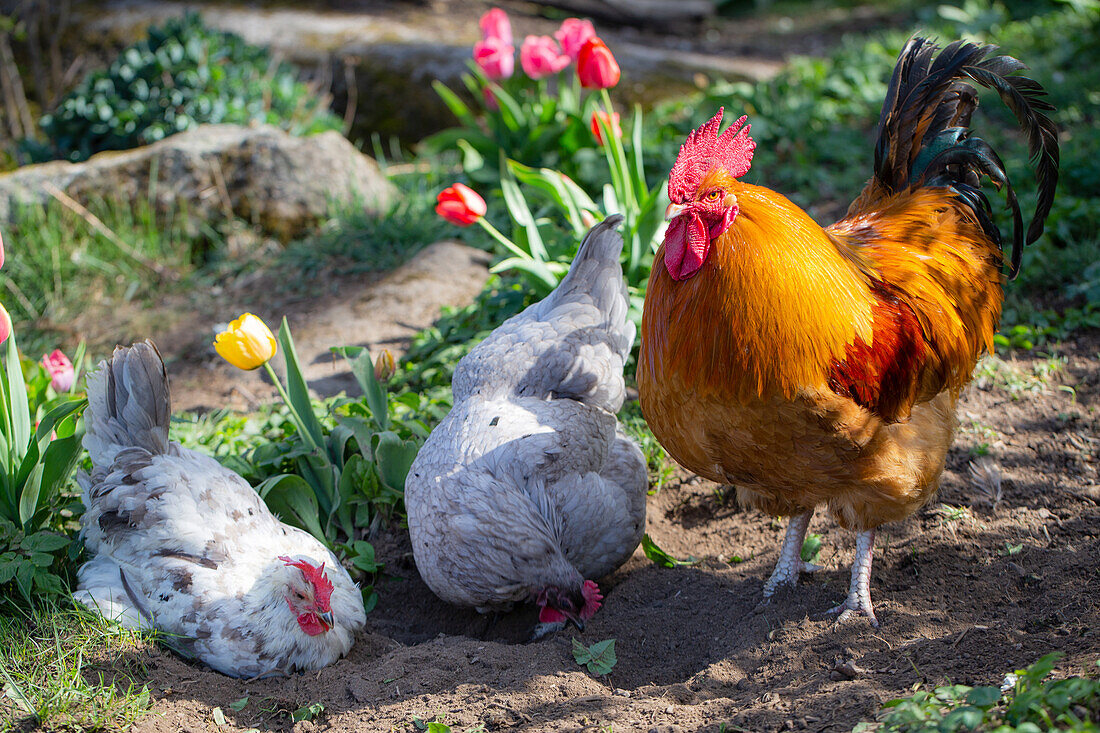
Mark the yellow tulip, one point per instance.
(246, 343)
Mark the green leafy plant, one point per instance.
(181, 75)
(811, 548)
(1028, 702)
(307, 712)
(40, 444)
(599, 658)
(660, 557)
(340, 475)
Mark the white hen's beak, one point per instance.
(327, 619)
(674, 210)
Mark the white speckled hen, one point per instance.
(183, 544)
(529, 486)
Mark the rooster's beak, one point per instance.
(576, 621)
(673, 211)
(327, 619)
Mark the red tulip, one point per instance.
(539, 56)
(612, 122)
(495, 24)
(60, 369)
(5, 324)
(596, 67)
(572, 35)
(495, 57)
(460, 204)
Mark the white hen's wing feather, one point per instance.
(183, 544)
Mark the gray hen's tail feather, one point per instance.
(570, 345)
(128, 404)
(595, 275)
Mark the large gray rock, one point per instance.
(281, 183)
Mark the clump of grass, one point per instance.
(61, 261)
(1017, 380)
(70, 670)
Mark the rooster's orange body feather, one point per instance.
(809, 365)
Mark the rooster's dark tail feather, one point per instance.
(925, 139)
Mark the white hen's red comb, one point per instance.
(322, 586)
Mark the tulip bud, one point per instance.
(540, 57)
(5, 324)
(246, 343)
(496, 58)
(495, 24)
(596, 66)
(572, 35)
(460, 204)
(1, 249)
(60, 369)
(612, 122)
(384, 366)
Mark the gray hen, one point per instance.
(529, 485)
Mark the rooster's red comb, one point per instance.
(322, 586)
(705, 149)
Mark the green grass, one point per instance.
(352, 240)
(1027, 702)
(70, 670)
(61, 264)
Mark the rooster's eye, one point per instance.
(712, 195)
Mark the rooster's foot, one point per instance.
(790, 562)
(858, 602)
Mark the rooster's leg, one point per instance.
(858, 602)
(790, 556)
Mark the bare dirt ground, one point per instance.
(965, 592)
(376, 310)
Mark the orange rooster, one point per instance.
(811, 365)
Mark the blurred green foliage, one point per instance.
(182, 75)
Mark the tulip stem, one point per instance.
(306, 436)
(615, 145)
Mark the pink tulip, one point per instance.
(491, 102)
(495, 24)
(495, 57)
(5, 324)
(572, 35)
(1, 249)
(540, 56)
(61, 371)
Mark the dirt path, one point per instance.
(964, 591)
(378, 311)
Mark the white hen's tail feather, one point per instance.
(128, 404)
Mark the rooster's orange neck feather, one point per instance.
(772, 309)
